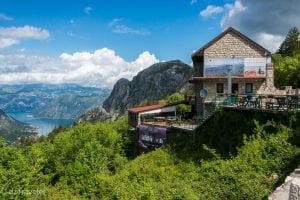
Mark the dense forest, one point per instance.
(245, 160)
(234, 155)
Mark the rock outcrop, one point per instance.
(93, 115)
(290, 189)
(118, 99)
(152, 84)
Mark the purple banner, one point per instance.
(152, 136)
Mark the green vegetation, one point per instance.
(287, 61)
(94, 161)
(175, 97)
(287, 70)
(181, 109)
(233, 156)
(291, 45)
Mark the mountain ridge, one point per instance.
(51, 100)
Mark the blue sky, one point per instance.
(169, 29)
(97, 42)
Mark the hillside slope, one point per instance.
(68, 106)
(235, 155)
(11, 129)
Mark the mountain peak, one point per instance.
(151, 84)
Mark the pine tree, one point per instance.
(291, 44)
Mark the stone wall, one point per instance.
(210, 86)
(232, 45)
(290, 189)
(229, 46)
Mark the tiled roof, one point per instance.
(152, 107)
(147, 108)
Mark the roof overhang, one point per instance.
(144, 109)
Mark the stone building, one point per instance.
(248, 63)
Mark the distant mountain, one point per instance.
(51, 101)
(152, 84)
(11, 129)
(68, 106)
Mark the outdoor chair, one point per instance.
(242, 102)
(292, 102)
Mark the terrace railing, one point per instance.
(208, 111)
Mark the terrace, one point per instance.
(264, 102)
(154, 121)
(165, 116)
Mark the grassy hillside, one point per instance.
(244, 160)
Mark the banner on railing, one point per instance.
(152, 136)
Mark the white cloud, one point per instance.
(13, 35)
(267, 22)
(211, 10)
(118, 26)
(4, 17)
(87, 10)
(6, 42)
(100, 68)
(232, 10)
(269, 41)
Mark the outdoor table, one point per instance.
(281, 101)
(242, 100)
(253, 101)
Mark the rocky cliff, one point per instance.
(152, 84)
(118, 99)
(94, 115)
(11, 129)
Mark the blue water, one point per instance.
(44, 125)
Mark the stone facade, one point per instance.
(211, 87)
(231, 44)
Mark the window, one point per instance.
(220, 88)
(235, 88)
(249, 88)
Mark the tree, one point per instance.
(181, 109)
(287, 70)
(291, 44)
